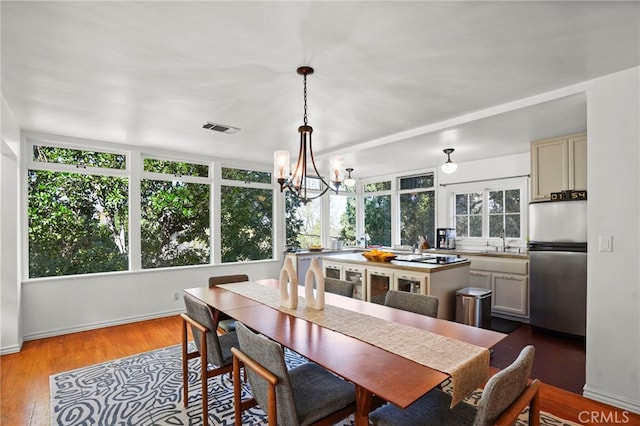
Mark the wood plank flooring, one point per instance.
(24, 385)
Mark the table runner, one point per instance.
(467, 364)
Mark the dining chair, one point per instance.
(212, 349)
(504, 397)
(226, 324)
(341, 287)
(412, 302)
(305, 395)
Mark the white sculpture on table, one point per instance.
(288, 285)
(314, 275)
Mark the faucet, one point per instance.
(504, 243)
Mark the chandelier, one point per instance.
(305, 176)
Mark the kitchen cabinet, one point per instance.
(479, 279)
(379, 282)
(558, 164)
(508, 280)
(411, 282)
(510, 294)
(357, 276)
(377, 278)
(333, 270)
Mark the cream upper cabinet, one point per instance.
(558, 164)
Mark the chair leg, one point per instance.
(204, 377)
(237, 402)
(185, 364)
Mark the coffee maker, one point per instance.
(446, 238)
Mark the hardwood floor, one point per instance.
(24, 385)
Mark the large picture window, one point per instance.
(417, 209)
(174, 220)
(246, 215)
(377, 213)
(77, 212)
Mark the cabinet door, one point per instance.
(379, 282)
(480, 279)
(510, 294)
(411, 283)
(549, 167)
(332, 270)
(357, 277)
(578, 163)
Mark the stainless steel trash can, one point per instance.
(473, 307)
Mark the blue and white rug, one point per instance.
(146, 389)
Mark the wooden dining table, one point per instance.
(375, 372)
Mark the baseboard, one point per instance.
(94, 326)
(13, 349)
(616, 401)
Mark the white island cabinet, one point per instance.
(376, 278)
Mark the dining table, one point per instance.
(371, 363)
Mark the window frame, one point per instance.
(484, 187)
(134, 172)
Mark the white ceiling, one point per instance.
(395, 82)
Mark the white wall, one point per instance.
(61, 305)
(613, 284)
(10, 290)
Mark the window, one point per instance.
(491, 213)
(504, 213)
(174, 203)
(469, 214)
(246, 215)
(377, 213)
(77, 212)
(417, 209)
(342, 218)
(308, 218)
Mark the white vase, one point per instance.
(314, 275)
(288, 285)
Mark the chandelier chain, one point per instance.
(305, 99)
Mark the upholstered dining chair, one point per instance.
(305, 395)
(341, 287)
(212, 349)
(226, 324)
(504, 397)
(412, 302)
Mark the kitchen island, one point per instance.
(422, 275)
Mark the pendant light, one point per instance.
(305, 172)
(449, 166)
(349, 181)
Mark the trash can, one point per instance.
(473, 307)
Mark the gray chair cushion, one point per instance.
(343, 288)
(431, 409)
(318, 393)
(218, 348)
(412, 302)
(304, 394)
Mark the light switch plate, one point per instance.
(606, 243)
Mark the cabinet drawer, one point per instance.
(507, 266)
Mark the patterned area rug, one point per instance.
(146, 389)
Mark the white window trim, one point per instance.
(521, 183)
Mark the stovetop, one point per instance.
(431, 258)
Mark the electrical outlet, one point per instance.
(176, 296)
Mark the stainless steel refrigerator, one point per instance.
(558, 266)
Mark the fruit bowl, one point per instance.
(379, 256)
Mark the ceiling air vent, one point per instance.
(220, 127)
